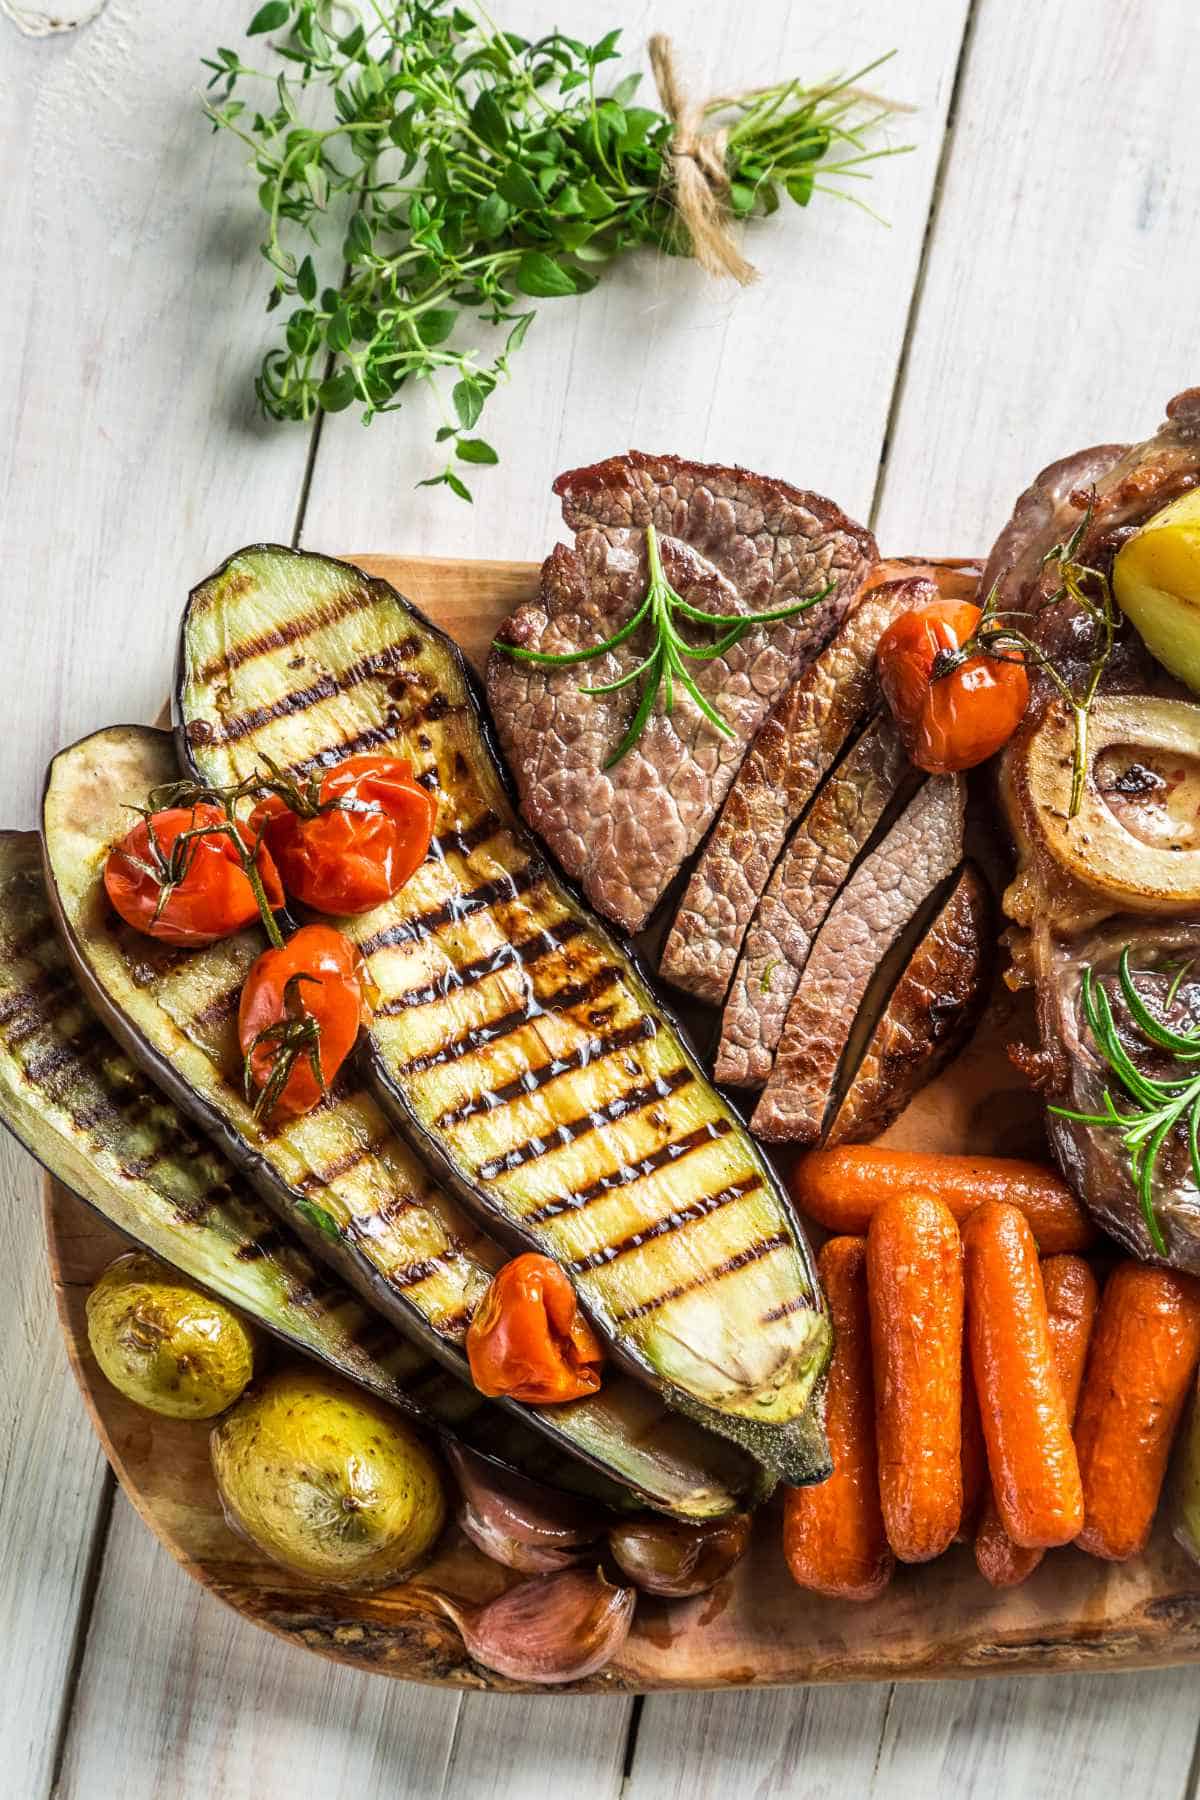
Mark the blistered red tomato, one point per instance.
(357, 841)
(298, 1018)
(959, 718)
(529, 1340)
(186, 889)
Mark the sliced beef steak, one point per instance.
(798, 744)
(731, 543)
(817, 861)
(929, 1014)
(885, 893)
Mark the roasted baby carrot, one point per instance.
(1026, 1427)
(915, 1293)
(1071, 1295)
(842, 1188)
(1144, 1354)
(833, 1536)
(974, 1455)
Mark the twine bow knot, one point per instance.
(698, 173)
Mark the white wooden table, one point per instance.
(1037, 290)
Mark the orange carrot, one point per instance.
(974, 1455)
(1071, 1295)
(915, 1292)
(833, 1536)
(842, 1188)
(1026, 1427)
(1144, 1355)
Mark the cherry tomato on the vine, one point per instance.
(188, 892)
(368, 831)
(300, 1011)
(529, 1340)
(957, 719)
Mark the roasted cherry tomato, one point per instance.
(300, 1011)
(528, 1338)
(355, 841)
(962, 717)
(188, 893)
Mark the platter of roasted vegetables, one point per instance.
(598, 1124)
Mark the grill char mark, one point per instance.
(479, 1037)
(675, 1221)
(326, 687)
(595, 1049)
(621, 1106)
(459, 906)
(523, 954)
(751, 1254)
(290, 632)
(629, 1173)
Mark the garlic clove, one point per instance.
(508, 1505)
(668, 1558)
(549, 1629)
(515, 1553)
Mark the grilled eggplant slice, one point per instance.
(339, 1177)
(69, 1093)
(516, 1043)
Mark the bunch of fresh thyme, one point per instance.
(419, 167)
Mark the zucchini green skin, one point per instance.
(88, 1114)
(339, 1177)
(517, 1044)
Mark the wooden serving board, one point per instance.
(755, 1628)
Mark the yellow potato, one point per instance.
(1156, 581)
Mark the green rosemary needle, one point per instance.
(1160, 1105)
(670, 652)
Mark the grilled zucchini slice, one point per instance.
(339, 1177)
(516, 1042)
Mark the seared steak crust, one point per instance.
(806, 880)
(731, 542)
(799, 742)
(884, 894)
(929, 1014)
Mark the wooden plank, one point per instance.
(793, 376)
(819, 1743)
(537, 1747)
(181, 1697)
(123, 468)
(1069, 1738)
(1058, 307)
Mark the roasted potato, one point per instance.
(165, 1344)
(1156, 581)
(327, 1481)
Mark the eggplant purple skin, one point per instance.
(442, 1166)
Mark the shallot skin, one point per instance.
(547, 1630)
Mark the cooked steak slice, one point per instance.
(886, 891)
(929, 1014)
(802, 738)
(731, 543)
(816, 862)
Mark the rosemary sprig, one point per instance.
(420, 169)
(665, 663)
(1160, 1105)
(297, 1034)
(1090, 590)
